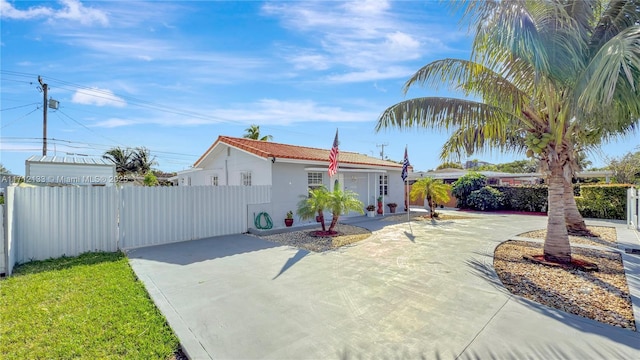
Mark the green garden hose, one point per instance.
(258, 223)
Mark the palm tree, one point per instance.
(341, 202)
(434, 190)
(253, 132)
(554, 78)
(315, 202)
(142, 161)
(137, 161)
(121, 158)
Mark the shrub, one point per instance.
(525, 197)
(486, 198)
(603, 201)
(465, 185)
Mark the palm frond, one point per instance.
(443, 114)
(469, 141)
(613, 73)
(475, 79)
(618, 15)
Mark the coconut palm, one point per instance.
(121, 158)
(341, 202)
(253, 132)
(315, 202)
(551, 78)
(435, 191)
(141, 160)
(127, 161)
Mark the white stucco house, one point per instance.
(291, 171)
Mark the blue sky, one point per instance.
(173, 75)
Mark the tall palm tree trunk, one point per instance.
(572, 217)
(556, 243)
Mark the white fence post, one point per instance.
(633, 208)
(10, 247)
(3, 244)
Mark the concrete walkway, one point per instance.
(412, 290)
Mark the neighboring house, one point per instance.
(62, 170)
(293, 170)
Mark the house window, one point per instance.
(314, 180)
(246, 178)
(214, 180)
(384, 185)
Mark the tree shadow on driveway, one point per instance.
(292, 261)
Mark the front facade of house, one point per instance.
(293, 170)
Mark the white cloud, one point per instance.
(264, 111)
(112, 123)
(371, 74)
(281, 112)
(98, 97)
(366, 37)
(309, 61)
(72, 10)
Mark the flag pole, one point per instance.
(405, 179)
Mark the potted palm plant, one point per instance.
(371, 211)
(288, 221)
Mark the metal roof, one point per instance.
(70, 160)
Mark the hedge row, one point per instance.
(593, 201)
(602, 201)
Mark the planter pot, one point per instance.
(371, 213)
(392, 209)
(288, 222)
(380, 208)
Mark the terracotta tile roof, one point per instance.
(268, 149)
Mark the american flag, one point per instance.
(333, 157)
(405, 165)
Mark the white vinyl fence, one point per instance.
(3, 253)
(49, 222)
(633, 208)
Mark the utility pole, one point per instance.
(382, 151)
(45, 89)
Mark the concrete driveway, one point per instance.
(410, 291)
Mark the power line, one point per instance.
(20, 118)
(19, 107)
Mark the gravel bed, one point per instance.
(303, 239)
(604, 236)
(601, 295)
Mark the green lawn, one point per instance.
(89, 307)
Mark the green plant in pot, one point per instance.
(288, 221)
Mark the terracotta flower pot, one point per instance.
(288, 222)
